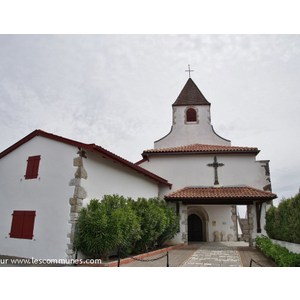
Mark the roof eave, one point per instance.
(146, 154)
(219, 201)
(90, 147)
(191, 104)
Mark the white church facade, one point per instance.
(45, 179)
(209, 176)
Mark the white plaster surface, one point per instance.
(188, 133)
(48, 195)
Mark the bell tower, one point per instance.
(191, 121)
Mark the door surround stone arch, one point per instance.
(203, 215)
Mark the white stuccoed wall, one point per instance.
(222, 218)
(192, 170)
(48, 196)
(106, 178)
(188, 133)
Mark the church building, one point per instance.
(209, 176)
(45, 180)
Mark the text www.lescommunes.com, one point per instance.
(47, 261)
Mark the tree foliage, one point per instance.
(283, 222)
(270, 222)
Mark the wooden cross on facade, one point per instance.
(189, 70)
(215, 165)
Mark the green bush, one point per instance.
(281, 255)
(295, 220)
(106, 225)
(153, 223)
(135, 226)
(283, 222)
(282, 217)
(270, 222)
(172, 227)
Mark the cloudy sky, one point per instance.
(117, 91)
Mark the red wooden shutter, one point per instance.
(17, 224)
(22, 224)
(28, 224)
(33, 163)
(191, 115)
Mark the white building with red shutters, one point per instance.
(45, 179)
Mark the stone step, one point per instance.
(245, 227)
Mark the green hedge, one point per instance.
(135, 226)
(283, 222)
(281, 255)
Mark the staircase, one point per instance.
(245, 229)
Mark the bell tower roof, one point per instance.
(190, 95)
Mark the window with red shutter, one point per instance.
(17, 224)
(191, 115)
(33, 163)
(22, 224)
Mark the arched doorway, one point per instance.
(195, 228)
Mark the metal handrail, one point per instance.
(252, 260)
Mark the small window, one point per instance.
(33, 163)
(191, 115)
(22, 224)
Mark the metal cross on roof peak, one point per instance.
(189, 70)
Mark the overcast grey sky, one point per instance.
(117, 91)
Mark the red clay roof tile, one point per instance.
(202, 148)
(220, 193)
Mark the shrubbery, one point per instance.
(281, 255)
(158, 221)
(283, 222)
(153, 222)
(135, 226)
(105, 225)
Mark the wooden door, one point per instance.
(194, 228)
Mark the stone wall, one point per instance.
(184, 224)
(247, 225)
(234, 226)
(77, 199)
